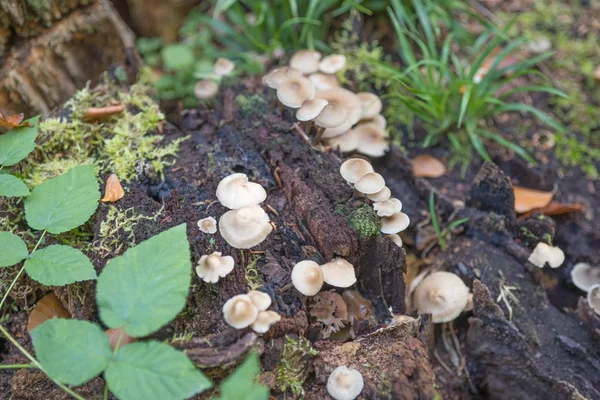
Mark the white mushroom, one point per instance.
(383, 195)
(332, 64)
(388, 207)
(223, 67)
(246, 227)
(370, 183)
(208, 225)
(544, 253)
(395, 223)
(585, 276)
(371, 105)
(264, 321)
(239, 312)
(275, 78)
(345, 383)
(306, 61)
(311, 109)
(235, 191)
(593, 298)
(354, 169)
(324, 81)
(294, 92)
(214, 266)
(441, 294)
(339, 273)
(307, 277)
(394, 237)
(261, 300)
(205, 89)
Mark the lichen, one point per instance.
(292, 370)
(365, 221)
(253, 105)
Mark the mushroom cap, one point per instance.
(388, 207)
(307, 277)
(394, 223)
(332, 115)
(354, 169)
(205, 89)
(235, 191)
(544, 253)
(245, 227)
(329, 133)
(306, 61)
(394, 237)
(311, 109)
(276, 77)
(339, 273)
(593, 298)
(371, 105)
(261, 300)
(346, 142)
(585, 276)
(370, 183)
(223, 67)
(382, 195)
(207, 225)
(469, 305)
(239, 312)
(441, 294)
(332, 64)
(345, 383)
(345, 98)
(295, 91)
(324, 81)
(372, 142)
(214, 266)
(378, 120)
(264, 321)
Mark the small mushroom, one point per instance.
(261, 300)
(294, 92)
(373, 141)
(307, 277)
(246, 227)
(235, 191)
(354, 169)
(332, 115)
(306, 61)
(441, 294)
(214, 266)
(371, 105)
(311, 109)
(544, 253)
(469, 306)
(378, 120)
(264, 321)
(383, 195)
(205, 89)
(208, 225)
(394, 237)
(370, 183)
(345, 98)
(394, 223)
(593, 298)
(324, 81)
(223, 67)
(275, 78)
(345, 383)
(345, 127)
(585, 276)
(332, 64)
(339, 273)
(345, 142)
(388, 207)
(239, 312)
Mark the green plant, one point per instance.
(241, 385)
(292, 370)
(442, 234)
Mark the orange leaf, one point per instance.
(102, 113)
(13, 121)
(115, 333)
(49, 307)
(528, 199)
(427, 166)
(556, 208)
(114, 191)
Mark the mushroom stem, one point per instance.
(320, 131)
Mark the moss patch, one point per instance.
(292, 370)
(365, 221)
(252, 105)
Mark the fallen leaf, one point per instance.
(114, 191)
(427, 166)
(13, 121)
(49, 307)
(556, 208)
(486, 65)
(102, 113)
(528, 199)
(115, 333)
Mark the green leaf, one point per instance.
(65, 202)
(71, 351)
(177, 57)
(18, 142)
(12, 249)
(11, 186)
(59, 265)
(153, 370)
(147, 286)
(241, 386)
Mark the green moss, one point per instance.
(365, 221)
(253, 278)
(292, 369)
(253, 105)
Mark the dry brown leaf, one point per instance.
(49, 307)
(115, 334)
(427, 166)
(556, 208)
(102, 113)
(13, 121)
(528, 199)
(505, 62)
(114, 191)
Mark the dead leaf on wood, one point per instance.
(114, 191)
(49, 307)
(102, 113)
(13, 121)
(556, 208)
(115, 334)
(529, 199)
(427, 166)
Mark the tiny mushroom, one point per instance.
(208, 225)
(307, 277)
(311, 109)
(235, 191)
(276, 77)
(205, 89)
(306, 61)
(371, 105)
(347, 99)
(345, 383)
(332, 64)
(214, 266)
(354, 169)
(246, 227)
(544, 253)
(394, 237)
(294, 92)
(383, 195)
(345, 142)
(324, 81)
(223, 67)
(585, 276)
(373, 141)
(261, 300)
(388, 207)
(394, 223)
(264, 320)
(593, 298)
(339, 273)
(332, 115)
(441, 294)
(239, 312)
(370, 183)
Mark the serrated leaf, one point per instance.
(147, 286)
(71, 351)
(11, 186)
(65, 202)
(153, 370)
(241, 386)
(17, 143)
(59, 265)
(12, 249)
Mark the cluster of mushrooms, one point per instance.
(347, 120)
(250, 309)
(308, 276)
(208, 88)
(587, 278)
(360, 174)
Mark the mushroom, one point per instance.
(469, 306)
(311, 109)
(214, 266)
(307, 277)
(544, 253)
(382, 195)
(239, 312)
(585, 276)
(346, 142)
(345, 127)
(441, 294)
(324, 81)
(373, 141)
(394, 237)
(370, 183)
(294, 92)
(264, 320)
(332, 64)
(339, 273)
(345, 98)
(388, 207)
(371, 105)
(223, 67)
(207, 225)
(354, 169)
(205, 89)
(261, 300)
(345, 383)
(306, 61)
(332, 115)
(378, 120)
(235, 191)
(394, 223)
(275, 78)
(593, 298)
(246, 227)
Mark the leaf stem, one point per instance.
(16, 366)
